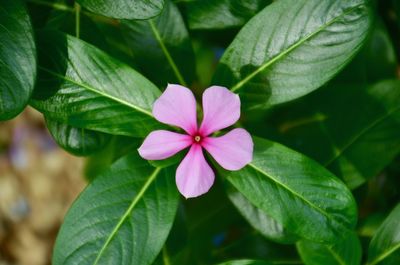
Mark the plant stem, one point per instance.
(77, 19)
(56, 6)
(66, 8)
(167, 54)
(165, 256)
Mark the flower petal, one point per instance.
(221, 109)
(177, 106)
(194, 176)
(233, 150)
(163, 144)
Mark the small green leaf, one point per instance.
(219, 14)
(384, 248)
(162, 43)
(343, 252)
(77, 141)
(124, 9)
(296, 191)
(17, 58)
(81, 86)
(274, 59)
(123, 217)
(263, 223)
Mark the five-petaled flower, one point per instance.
(221, 109)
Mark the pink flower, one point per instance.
(221, 109)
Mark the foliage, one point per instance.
(320, 92)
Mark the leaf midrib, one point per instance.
(385, 254)
(291, 48)
(101, 93)
(135, 200)
(336, 256)
(167, 54)
(323, 212)
(358, 136)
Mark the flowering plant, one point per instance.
(310, 87)
(177, 106)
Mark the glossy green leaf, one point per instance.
(263, 223)
(123, 217)
(77, 141)
(297, 192)
(17, 58)
(274, 59)
(245, 262)
(384, 248)
(375, 62)
(343, 252)
(219, 14)
(81, 86)
(351, 129)
(124, 9)
(162, 43)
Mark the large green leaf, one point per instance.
(296, 191)
(274, 59)
(123, 217)
(385, 245)
(162, 43)
(124, 9)
(218, 14)
(17, 58)
(81, 86)
(77, 141)
(351, 129)
(263, 223)
(343, 252)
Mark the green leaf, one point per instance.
(173, 160)
(245, 262)
(351, 129)
(123, 217)
(17, 58)
(263, 223)
(162, 43)
(296, 191)
(77, 141)
(274, 59)
(385, 245)
(118, 147)
(219, 14)
(88, 30)
(380, 55)
(81, 86)
(343, 252)
(124, 9)
(375, 62)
